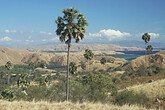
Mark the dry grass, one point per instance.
(22, 105)
(153, 90)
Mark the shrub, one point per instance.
(1, 97)
(129, 97)
(8, 94)
(99, 86)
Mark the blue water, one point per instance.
(130, 55)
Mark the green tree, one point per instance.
(42, 64)
(32, 65)
(88, 55)
(146, 37)
(103, 61)
(23, 80)
(48, 79)
(150, 49)
(72, 67)
(71, 26)
(9, 66)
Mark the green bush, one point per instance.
(129, 97)
(99, 86)
(1, 97)
(37, 93)
(8, 94)
(20, 95)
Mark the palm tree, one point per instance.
(149, 48)
(32, 65)
(146, 37)
(72, 67)
(9, 66)
(71, 26)
(88, 55)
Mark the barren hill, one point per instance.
(24, 57)
(157, 59)
(79, 47)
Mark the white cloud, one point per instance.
(43, 40)
(6, 31)
(111, 34)
(45, 33)
(154, 35)
(55, 39)
(10, 31)
(49, 33)
(5, 38)
(29, 40)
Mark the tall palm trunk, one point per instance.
(88, 65)
(67, 88)
(145, 54)
(8, 80)
(150, 62)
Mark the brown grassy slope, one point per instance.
(24, 57)
(22, 105)
(7, 54)
(153, 90)
(79, 47)
(157, 59)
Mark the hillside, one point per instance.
(24, 57)
(79, 47)
(157, 59)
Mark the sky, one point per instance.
(32, 22)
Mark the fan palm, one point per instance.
(88, 55)
(71, 26)
(146, 37)
(149, 48)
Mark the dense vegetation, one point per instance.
(100, 86)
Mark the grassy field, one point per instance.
(22, 105)
(153, 90)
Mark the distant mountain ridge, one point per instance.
(78, 47)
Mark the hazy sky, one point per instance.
(32, 22)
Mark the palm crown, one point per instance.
(9, 65)
(149, 48)
(68, 29)
(146, 37)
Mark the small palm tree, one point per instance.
(71, 26)
(146, 37)
(72, 67)
(149, 48)
(9, 66)
(88, 55)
